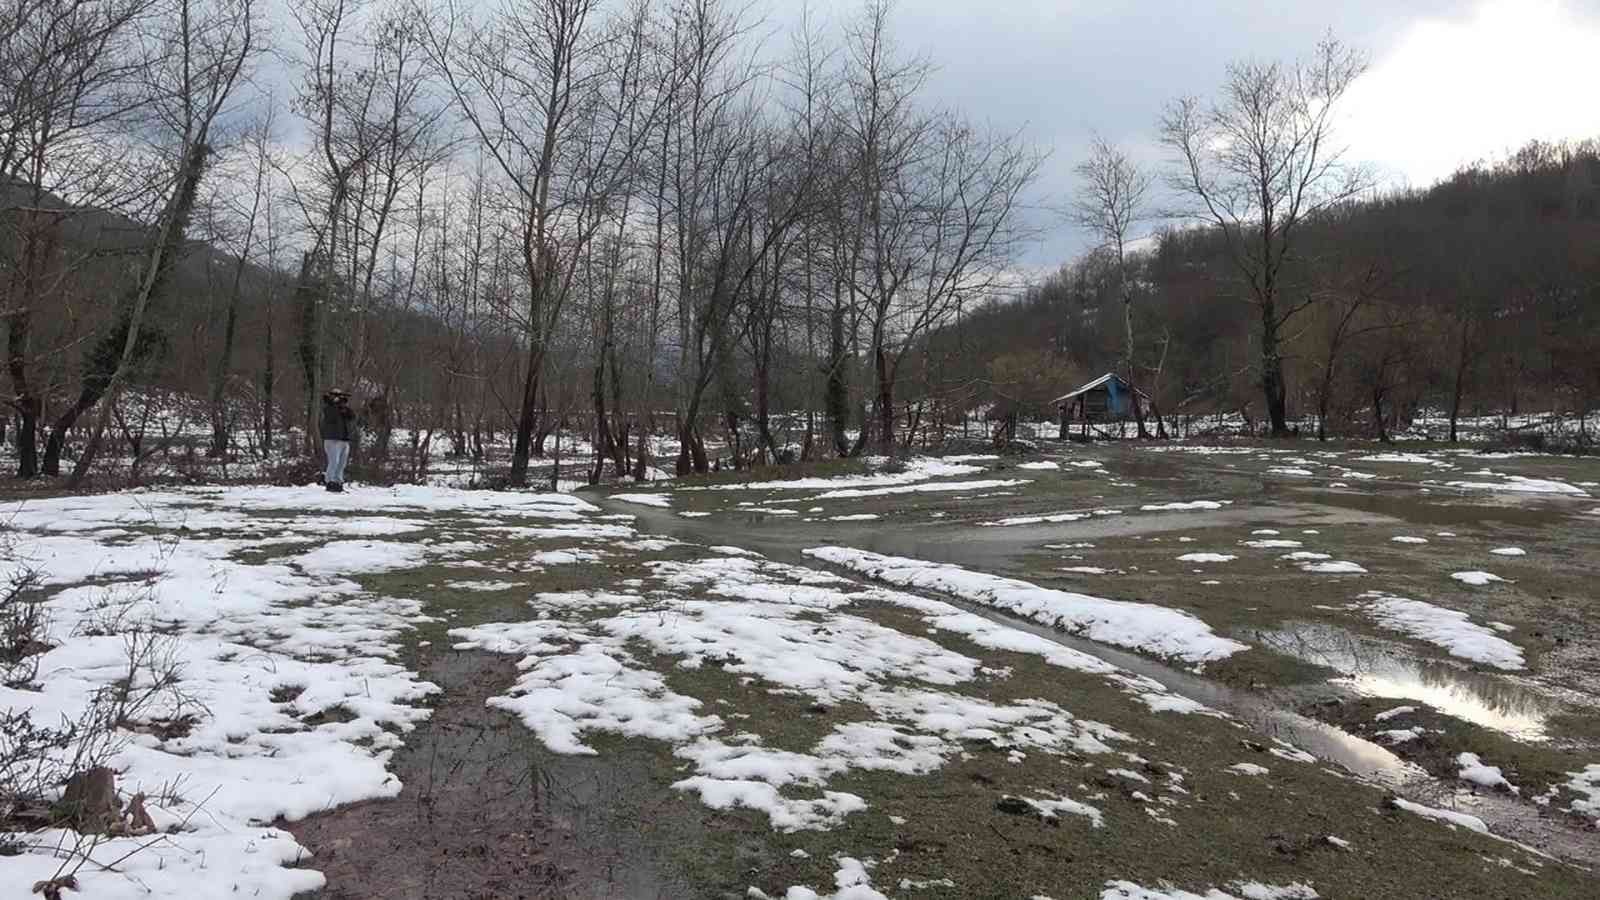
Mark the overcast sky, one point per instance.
(1451, 81)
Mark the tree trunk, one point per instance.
(885, 402)
(1272, 371)
(19, 325)
(310, 318)
(527, 419)
(158, 271)
(605, 444)
(1127, 353)
(219, 378)
(1377, 413)
(267, 383)
(28, 412)
(837, 397)
(1457, 389)
(99, 369)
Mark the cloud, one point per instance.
(1452, 80)
(1459, 90)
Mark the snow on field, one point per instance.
(1449, 817)
(1476, 579)
(482, 586)
(857, 517)
(1386, 715)
(1334, 567)
(1207, 557)
(1185, 506)
(1142, 626)
(1290, 471)
(789, 629)
(1401, 735)
(1587, 784)
(1049, 519)
(1447, 628)
(913, 471)
(1473, 770)
(1509, 551)
(854, 881)
(362, 556)
(282, 669)
(660, 501)
(1408, 539)
(1241, 890)
(1248, 769)
(1517, 484)
(1202, 450)
(1410, 458)
(567, 557)
(1273, 544)
(1041, 466)
(932, 487)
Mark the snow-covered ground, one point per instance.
(1141, 626)
(291, 694)
(275, 679)
(1453, 630)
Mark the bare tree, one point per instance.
(937, 205)
(210, 42)
(1113, 197)
(1259, 161)
(68, 80)
(335, 100)
(250, 211)
(525, 79)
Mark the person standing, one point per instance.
(338, 425)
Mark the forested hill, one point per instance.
(1480, 293)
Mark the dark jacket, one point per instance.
(338, 421)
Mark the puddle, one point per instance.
(1506, 817)
(485, 813)
(1358, 755)
(989, 549)
(1493, 702)
(1374, 667)
(1447, 508)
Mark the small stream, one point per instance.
(1369, 667)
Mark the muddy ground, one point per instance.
(488, 812)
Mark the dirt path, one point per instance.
(486, 813)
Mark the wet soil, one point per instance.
(1313, 683)
(485, 812)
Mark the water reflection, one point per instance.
(1377, 668)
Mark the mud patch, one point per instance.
(486, 812)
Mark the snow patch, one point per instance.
(660, 501)
(1447, 628)
(1476, 579)
(1473, 770)
(1142, 626)
(1448, 817)
(1207, 557)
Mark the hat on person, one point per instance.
(338, 392)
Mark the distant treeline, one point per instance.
(1477, 296)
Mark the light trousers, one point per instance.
(338, 456)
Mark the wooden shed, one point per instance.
(1107, 400)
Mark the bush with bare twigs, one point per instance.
(55, 774)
